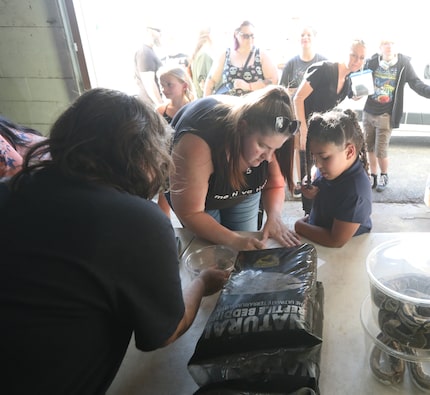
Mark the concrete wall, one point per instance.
(37, 81)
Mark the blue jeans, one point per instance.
(242, 216)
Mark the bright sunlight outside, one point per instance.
(111, 30)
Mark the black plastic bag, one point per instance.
(267, 323)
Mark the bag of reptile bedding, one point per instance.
(266, 325)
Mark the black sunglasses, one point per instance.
(246, 36)
(283, 124)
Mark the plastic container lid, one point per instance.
(401, 269)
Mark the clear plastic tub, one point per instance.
(405, 370)
(369, 321)
(215, 256)
(399, 274)
(408, 256)
(362, 83)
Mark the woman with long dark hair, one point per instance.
(228, 152)
(87, 258)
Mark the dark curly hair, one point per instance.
(108, 137)
(339, 127)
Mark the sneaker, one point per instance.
(297, 192)
(383, 182)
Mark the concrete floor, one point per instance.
(409, 166)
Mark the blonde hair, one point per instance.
(357, 42)
(180, 74)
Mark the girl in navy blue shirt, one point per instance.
(341, 191)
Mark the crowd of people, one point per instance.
(244, 67)
(89, 257)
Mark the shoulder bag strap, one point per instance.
(249, 57)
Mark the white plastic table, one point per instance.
(344, 358)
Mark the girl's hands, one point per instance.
(309, 191)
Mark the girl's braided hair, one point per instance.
(339, 127)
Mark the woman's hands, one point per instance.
(277, 230)
(242, 242)
(241, 84)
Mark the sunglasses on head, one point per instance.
(284, 124)
(246, 36)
